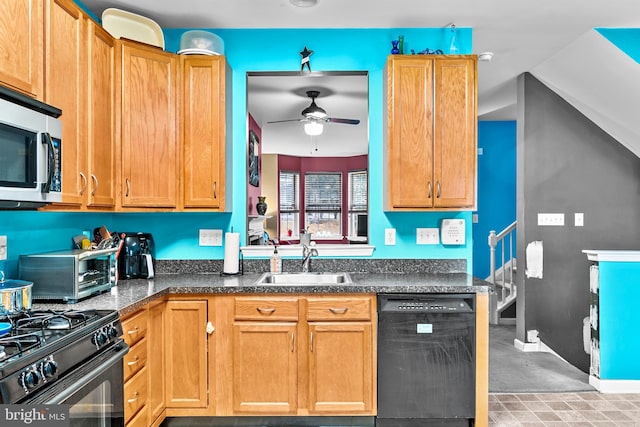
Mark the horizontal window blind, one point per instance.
(323, 192)
(358, 191)
(289, 191)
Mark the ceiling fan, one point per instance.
(315, 117)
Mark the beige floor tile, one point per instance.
(559, 406)
(515, 406)
(616, 416)
(571, 416)
(548, 416)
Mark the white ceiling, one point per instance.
(521, 34)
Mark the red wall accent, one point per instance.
(253, 192)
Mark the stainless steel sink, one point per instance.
(304, 279)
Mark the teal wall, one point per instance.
(496, 188)
(176, 234)
(626, 39)
(619, 319)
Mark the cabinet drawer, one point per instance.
(135, 394)
(136, 359)
(140, 420)
(356, 308)
(256, 308)
(135, 328)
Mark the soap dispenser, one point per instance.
(276, 261)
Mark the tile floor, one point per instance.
(584, 409)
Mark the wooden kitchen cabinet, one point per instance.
(65, 71)
(186, 356)
(148, 155)
(431, 132)
(341, 355)
(21, 46)
(136, 379)
(265, 367)
(99, 175)
(206, 83)
(298, 355)
(156, 363)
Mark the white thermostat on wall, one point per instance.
(452, 232)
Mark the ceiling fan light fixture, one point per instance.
(304, 3)
(313, 128)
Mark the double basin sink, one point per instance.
(304, 279)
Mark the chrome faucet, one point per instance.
(307, 253)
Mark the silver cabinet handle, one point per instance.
(133, 362)
(135, 397)
(215, 189)
(429, 190)
(95, 184)
(126, 194)
(293, 340)
(341, 310)
(84, 180)
(438, 191)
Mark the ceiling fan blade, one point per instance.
(290, 120)
(343, 121)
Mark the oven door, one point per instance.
(94, 391)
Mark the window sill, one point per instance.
(329, 250)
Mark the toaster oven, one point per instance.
(69, 275)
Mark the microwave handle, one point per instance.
(46, 139)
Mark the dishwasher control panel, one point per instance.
(426, 304)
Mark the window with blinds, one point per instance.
(358, 205)
(289, 209)
(323, 204)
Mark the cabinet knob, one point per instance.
(210, 328)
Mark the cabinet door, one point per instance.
(265, 368)
(410, 132)
(100, 120)
(455, 132)
(21, 46)
(204, 131)
(156, 363)
(186, 354)
(65, 71)
(149, 145)
(341, 368)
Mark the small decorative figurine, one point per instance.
(306, 53)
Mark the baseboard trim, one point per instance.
(526, 346)
(615, 386)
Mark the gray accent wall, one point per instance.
(567, 164)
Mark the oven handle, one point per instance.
(99, 370)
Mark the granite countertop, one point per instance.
(130, 295)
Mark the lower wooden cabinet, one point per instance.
(235, 355)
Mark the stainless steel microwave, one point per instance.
(69, 275)
(30, 152)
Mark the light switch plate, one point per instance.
(551, 219)
(210, 237)
(427, 236)
(3, 248)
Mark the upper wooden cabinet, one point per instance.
(431, 132)
(21, 46)
(100, 162)
(65, 88)
(205, 82)
(148, 152)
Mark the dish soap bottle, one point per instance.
(276, 261)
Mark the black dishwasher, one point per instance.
(426, 360)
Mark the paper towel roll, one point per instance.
(231, 253)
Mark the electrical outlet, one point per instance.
(3, 248)
(389, 236)
(552, 219)
(427, 236)
(578, 219)
(210, 237)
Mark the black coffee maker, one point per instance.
(137, 256)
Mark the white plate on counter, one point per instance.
(122, 24)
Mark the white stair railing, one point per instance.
(505, 284)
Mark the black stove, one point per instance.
(43, 346)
